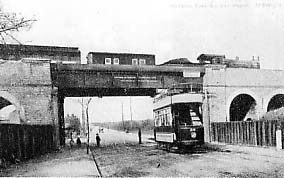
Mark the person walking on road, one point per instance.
(71, 142)
(139, 136)
(98, 139)
(78, 141)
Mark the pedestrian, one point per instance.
(71, 142)
(98, 139)
(139, 136)
(78, 141)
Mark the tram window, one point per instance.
(159, 122)
(195, 119)
(184, 115)
(162, 120)
(185, 121)
(156, 117)
(176, 114)
(167, 117)
(163, 117)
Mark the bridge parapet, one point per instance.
(123, 76)
(25, 72)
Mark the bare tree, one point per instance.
(84, 102)
(11, 23)
(83, 124)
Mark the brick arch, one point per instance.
(268, 98)
(13, 100)
(237, 93)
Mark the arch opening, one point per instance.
(4, 102)
(276, 102)
(8, 113)
(243, 107)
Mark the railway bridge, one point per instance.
(37, 88)
(117, 80)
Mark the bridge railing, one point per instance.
(23, 142)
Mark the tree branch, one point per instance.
(17, 26)
(11, 22)
(12, 37)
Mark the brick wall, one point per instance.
(30, 83)
(55, 53)
(224, 84)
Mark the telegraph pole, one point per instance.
(83, 117)
(122, 115)
(130, 107)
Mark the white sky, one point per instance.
(168, 29)
(110, 108)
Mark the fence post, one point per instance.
(279, 136)
(270, 133)
(212, 132)
(19, 145)
(206, 118)
(264, 133)
(255, 133)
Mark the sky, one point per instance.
(111, 109)
(167, 28)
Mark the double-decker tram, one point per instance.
(178, 120)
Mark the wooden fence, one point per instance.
(22, 142)
(258, 133)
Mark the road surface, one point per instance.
(128, 158)
(113, 137)
(120, 155)
(65, 163)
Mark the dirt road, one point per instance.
(120, 155)
(128, 158)
(65, 163)
(113, 137)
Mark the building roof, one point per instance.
(17, 52)
(35, 48)
(209, 57)
(178, 61)
(126, 54)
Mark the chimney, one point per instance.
(237, 58)
(252, 58)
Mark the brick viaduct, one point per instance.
(238, 90)
(37, 88)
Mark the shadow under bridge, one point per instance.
(97, 80)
